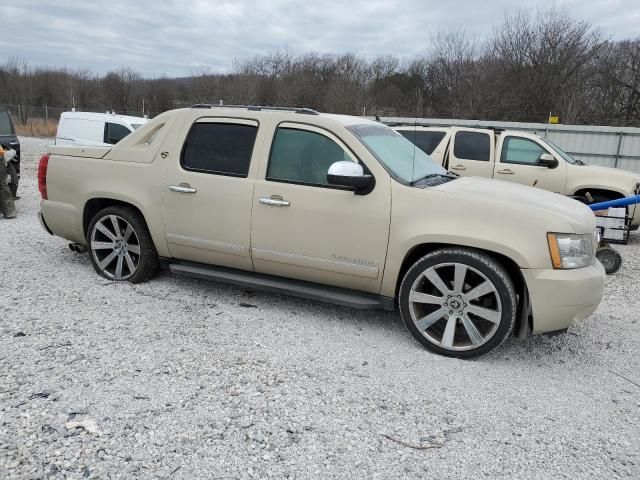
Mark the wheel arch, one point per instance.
(94, 205)
(609, 192)
(511, 267)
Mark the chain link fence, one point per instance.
(33, 120)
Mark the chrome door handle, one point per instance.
(275, 202)
(506, 171)
(458, 167)
(183, 188)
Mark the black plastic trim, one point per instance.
(296, 288)
(259, 108)
(43, 223)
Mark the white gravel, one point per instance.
(176, 379)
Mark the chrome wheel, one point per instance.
(455, 306)
(115, 247)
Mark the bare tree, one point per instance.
(535, 62)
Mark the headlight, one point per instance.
(571, 251)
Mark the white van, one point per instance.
(95, 129)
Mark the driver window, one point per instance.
(302, 156)
(521, 150)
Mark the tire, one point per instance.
(109, 247)
(13, 185)
(609, 258)
(470, 312)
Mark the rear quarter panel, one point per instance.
(133, 172)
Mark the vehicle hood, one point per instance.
(508, 198)
(605, 175)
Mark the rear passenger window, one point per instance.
(425, 141)
(472, 146)
(301, 156)
(219, 148)
(114, 132)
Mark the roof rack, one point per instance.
(444, 125)
(259, 108)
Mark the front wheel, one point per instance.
(458, 302)
(120, 245)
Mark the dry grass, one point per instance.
(36, 127)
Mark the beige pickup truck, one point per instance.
(523, 158)
(328, 207)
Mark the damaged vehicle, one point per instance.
(332, 208)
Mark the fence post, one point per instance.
(19, 115)
(617, 157)
(46, 119)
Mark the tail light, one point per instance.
(42, 175)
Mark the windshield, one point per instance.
(5, 124)
(563, 154)
(401, 158)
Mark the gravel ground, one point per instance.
(185, 379)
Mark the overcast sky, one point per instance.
(175, 37)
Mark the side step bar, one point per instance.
(297, 288)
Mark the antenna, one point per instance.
(415, 132)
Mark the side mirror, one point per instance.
(548, 160)
(348, 174)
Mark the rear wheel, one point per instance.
(458, 302)
(120, 246)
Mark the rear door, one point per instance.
(208, 193)
(518, 162)
(471, 152)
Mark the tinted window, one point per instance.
(221, 148)
(425, 141)
(301, 156)
(114, 132)
(5, 124)
(520, 150)
(472, 146)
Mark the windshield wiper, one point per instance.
(579, 162)
(433, 175)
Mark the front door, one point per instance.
(208, 193)
(471, 152)
(518, 163)
(306, 229)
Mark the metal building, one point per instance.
(617, 147)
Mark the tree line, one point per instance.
(534, 64)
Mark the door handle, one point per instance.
(183, 188)
(274, 201)
(506, 171)
(458, 167)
